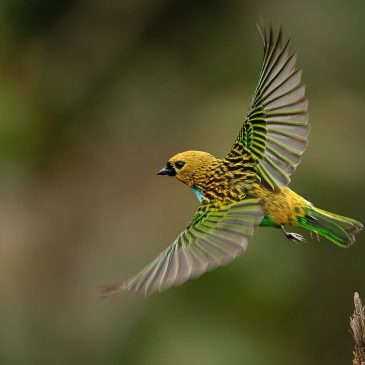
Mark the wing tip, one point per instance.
(109, 291)
(267, 34)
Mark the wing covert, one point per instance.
(275, 130)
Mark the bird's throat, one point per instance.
(197, 193)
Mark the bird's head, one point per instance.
(185, 165)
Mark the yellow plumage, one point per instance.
(248, 187)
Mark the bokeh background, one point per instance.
(94, 97)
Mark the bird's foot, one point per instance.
(295, 237)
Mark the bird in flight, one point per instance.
(249, 186)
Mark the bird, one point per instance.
(249, 186)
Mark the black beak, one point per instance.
(167, 170)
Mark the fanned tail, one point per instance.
(335, 228)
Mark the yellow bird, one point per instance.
(248, 187)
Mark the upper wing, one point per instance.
(213, 238)
(276, 127)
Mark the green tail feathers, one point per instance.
(337, 229)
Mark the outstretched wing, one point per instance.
(275, 131)
(214, 237)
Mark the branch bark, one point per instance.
(357, 324)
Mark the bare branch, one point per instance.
(357, 324)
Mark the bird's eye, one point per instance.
(179, 164)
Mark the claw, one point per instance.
(295, 237)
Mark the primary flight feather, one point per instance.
(248, 187)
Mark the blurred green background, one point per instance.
(94, 97)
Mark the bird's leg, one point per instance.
(295, 237)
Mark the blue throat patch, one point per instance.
(197, 193)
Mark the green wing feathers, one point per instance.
(276, 127)
(214, 238)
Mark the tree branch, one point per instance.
(357, 324)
